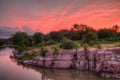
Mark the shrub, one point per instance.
(42, 44)
(85, 46)
(56, 50)
(68, 44)
(20, 49)
(50, 42)
(43, 51)
(90, 38)
(28, 56)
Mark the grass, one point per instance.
(101, 44)
(29, 56)
(55, 47)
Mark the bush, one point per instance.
(29, 56)
(85, 46)
(42, 44)
(50, 42)
(68, 44)
(90, 38)
(22, 39)
(20, 49)
(56, 50)
(43, 51)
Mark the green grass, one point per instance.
(29, 56)
(107, 42)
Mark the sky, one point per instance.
(52, 15)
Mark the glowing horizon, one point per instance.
(52, 15)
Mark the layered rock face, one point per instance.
(62, 60)
(108, 62)
(105, 61)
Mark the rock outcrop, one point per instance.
(105, 61)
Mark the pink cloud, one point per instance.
(96, 13)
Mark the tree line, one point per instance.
(79, 32)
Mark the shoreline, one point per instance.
(103, 61)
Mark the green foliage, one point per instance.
(68, 44)
(106, 33)
(20, 49)
(28, 56)
(38, 37)
(43, 51)
(50, 42)
(56, 50)
(22, 39)
(85, 46)
(54, 35)
(30, 41)
(80, 32)
(90, 38)
(113, 39)
(42, 44)
(64, 39)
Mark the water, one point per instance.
(11, 70)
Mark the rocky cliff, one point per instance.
(105, 61)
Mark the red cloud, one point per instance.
(96, 13)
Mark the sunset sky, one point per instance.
(49, 15)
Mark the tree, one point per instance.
(38, 37)
(21, 39)
(68, 44)
(116, 28)
(106, 33)
(90, 38)
(82, 27)
(53, 35)
(79, 30)
(76, 26)
(31, 41)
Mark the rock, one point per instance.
(39, 61)
(92, 54)
(27, 61)
(99, 66)
(81, 54)
(49, 54)
(62, 64)
(48, 63)
(105, 61)
(82, 64)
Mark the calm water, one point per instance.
(11, 70)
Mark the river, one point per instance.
(11, 70)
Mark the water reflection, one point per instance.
(11, 70)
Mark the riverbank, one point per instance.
(104, 61)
